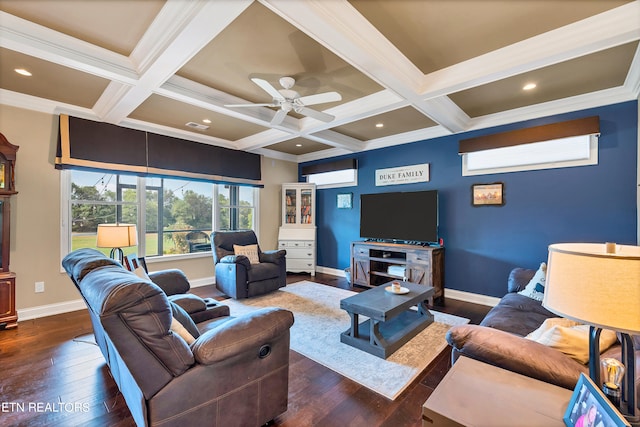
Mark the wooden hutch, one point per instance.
(8, 312)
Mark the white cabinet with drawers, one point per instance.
(297, 233)
(301, 255)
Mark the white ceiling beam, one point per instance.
(342, 29)
(179, 32)
(632, 82)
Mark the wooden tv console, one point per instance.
(376, 263)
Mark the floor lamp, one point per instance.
(599, 285)
(117, 236)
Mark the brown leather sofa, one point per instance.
(500, 339)
(235, 372)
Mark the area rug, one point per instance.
(319, 321)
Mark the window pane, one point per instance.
(187, 206)
(224, 195)
(93, 186)
(224, 219)
(245, 196)
(245, 218)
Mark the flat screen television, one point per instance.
(400, 216)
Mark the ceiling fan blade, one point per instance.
(266, 86)
(251, 105)
(318, 115)
(278, 118)
(320, 98)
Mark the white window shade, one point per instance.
(564, 152)
(342, 178)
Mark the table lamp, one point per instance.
(117, 236)
(599, 285)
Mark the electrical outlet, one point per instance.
(39, 286)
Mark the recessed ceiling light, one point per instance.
(529, 86)
(379, 125)
(298, 145)
(206, 121)
(22, 72)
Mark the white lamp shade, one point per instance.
(586, 284)
(117, 235)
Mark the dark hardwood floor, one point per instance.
(52, 374)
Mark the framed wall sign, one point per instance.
(345, 201)
(487, 194)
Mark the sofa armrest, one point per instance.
(274, 256)
(515, 354)
(241, 334)
(236, 259)
(172, 281)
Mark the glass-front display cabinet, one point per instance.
(8, 312)
(298, 204)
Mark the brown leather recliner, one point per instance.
(236, 276)
(235, 372)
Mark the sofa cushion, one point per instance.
(517, 314)
(250, 251)
(535, 287)
(570, 337)
(263, 271)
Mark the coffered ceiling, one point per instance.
(419, 68)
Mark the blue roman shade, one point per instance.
(94, 145)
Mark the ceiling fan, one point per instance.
(288, 99)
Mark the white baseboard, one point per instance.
(332, 271)
(50, 309)
(195, 283)
(74, 305)
(470, 297)
(449, 293)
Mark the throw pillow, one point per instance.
(535, 287)
(141, 273)
(177, 328)
(569, 337)
(250, 251)
(185, 320)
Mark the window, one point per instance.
(334, 179)
(236, 207)
(170, 214)
(565, 152)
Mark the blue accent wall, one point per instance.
(482, 244)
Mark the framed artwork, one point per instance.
(590, 407)
(487, 194)
(345, 201)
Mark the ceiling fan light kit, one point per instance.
(287, 99)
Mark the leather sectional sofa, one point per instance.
(500, 339)
(235, 372)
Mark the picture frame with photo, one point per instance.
(487, 194)
(344, 201)
(588, 403)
